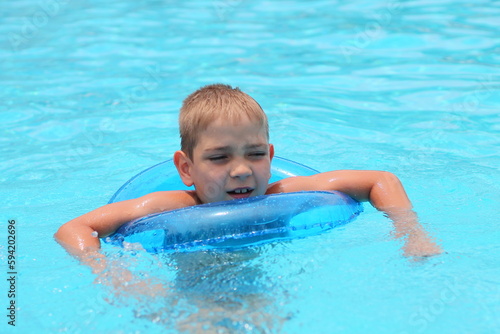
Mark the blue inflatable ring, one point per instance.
(232, 224)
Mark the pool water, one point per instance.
(89, 97)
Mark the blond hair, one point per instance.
(210, 103)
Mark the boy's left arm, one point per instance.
(382, 189)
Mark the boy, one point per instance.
(225, 153)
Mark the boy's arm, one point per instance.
(81, 235)
(384, 191)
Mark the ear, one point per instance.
(183, 165)
(271, 156)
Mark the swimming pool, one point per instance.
(89, 97)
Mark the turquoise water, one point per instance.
(89, 97)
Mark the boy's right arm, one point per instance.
(81, 235)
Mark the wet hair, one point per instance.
(212, 102)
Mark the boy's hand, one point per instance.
(121, 280)
(125, 284)
(417, 241)
(420, 246)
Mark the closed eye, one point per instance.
(258, 154)
(216, 158)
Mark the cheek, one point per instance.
(211, 191)
(264, 175)
(266, 170)
(213, 184)
(215, 176)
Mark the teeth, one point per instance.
(241, 191)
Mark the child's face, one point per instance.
(231, 161)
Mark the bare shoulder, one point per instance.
(169, 200)
(320, 181)
(290, 184)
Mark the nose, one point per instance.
(240, 169)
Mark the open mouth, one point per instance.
(240, 192)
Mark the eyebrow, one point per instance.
(228, 148)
